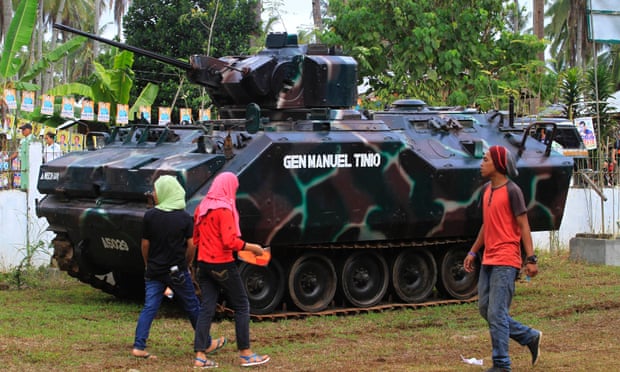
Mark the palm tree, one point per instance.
(119, 7)
(568, 33)
(76, 13)
(317, 17)
(6, 13)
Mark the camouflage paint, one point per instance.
(317, 176)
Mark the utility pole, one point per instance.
(539, 31)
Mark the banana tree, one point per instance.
(15, 72)
(111, 85)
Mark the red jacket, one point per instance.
(216, 238)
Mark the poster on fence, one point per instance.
(77, 141)
(586, 130)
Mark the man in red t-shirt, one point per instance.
(504, 226)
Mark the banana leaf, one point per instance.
(146, 98)
(55, 55)
(19, 35)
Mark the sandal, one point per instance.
(219, 343)
(253, 360)
(144, 356)
(204, 363)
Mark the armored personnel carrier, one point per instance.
(359, 210)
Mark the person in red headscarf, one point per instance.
(504, 226)
(217, 235)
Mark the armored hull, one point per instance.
(358, 210)
(354, 210)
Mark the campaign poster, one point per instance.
(9, 97)
(67, 107)
(88, 110)
(103, 113)
(27, 101)
(186, 115)
(63, 140)
(77, 141)
(586, 130)
(205, 114)
(145, 113)
(47, 105)
(164, 115)
(122, 114)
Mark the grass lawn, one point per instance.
(60, 324)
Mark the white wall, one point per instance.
(16, 229)
(583, 214)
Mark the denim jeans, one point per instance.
(184, 292)
(213, 278)
(495, 290)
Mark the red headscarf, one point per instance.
(222, 194)
(500, 158)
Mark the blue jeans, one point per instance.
(184, 292)
(495, 290)
(213, 278)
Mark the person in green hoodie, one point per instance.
(168, 251)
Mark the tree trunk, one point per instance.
(49, 81)
(39, 54)
(316, 18)
(7, 15)
(257, 16)
(539, 23)
(539, 31)
(96, 30)
(515, 17)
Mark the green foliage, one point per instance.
(12, 62)
(53, 56)
(26, 273)
(571, 88)
(110, 85)
(424, 49)
(599, 88)
(39, 326)
(183, 30)
(19, 35)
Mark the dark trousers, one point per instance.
(212, 279)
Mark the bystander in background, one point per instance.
(52, 149)
(23, 153)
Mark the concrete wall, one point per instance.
(19, 225)
(585, 212)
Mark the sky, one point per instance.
(295, 14)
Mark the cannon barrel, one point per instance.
(171, 61)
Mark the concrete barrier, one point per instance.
(595, 249)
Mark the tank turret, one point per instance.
(286, 79)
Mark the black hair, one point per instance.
(51, 135)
